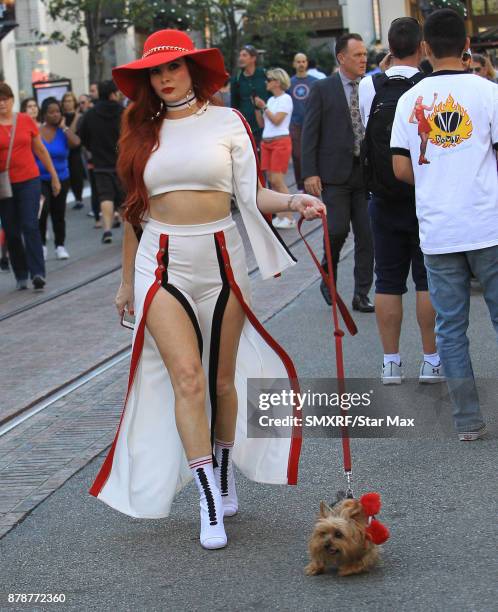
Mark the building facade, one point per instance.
(24, 59)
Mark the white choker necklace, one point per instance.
(188, 102)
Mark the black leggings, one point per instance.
(76, 173)
(56, 206)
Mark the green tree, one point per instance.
(224, 23)
(96, 22)
(230, 23)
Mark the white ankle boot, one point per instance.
(211, 507)
(225, 478)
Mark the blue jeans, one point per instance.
(19, 216)
(449, 286)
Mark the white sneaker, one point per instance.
(283, 223)
(45, 252)
(61, 253)
(392, 373)
(472, 436)
(431, 374)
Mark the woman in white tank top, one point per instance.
(196, 339)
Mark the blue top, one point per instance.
(58, 149)
(299, 91)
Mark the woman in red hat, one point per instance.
(196, 340)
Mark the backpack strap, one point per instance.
(416, 78)
(378, 80)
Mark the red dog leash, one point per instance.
(337, 305)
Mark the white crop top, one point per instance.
(195, 153)
(213, 151)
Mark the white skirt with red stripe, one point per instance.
(199, 265)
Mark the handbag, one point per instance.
(5, 186)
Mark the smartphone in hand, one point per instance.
(128, 320)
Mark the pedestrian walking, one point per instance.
(332, 135)
(392, 208)
(72, 117)
(299, 91)
(30, 107)
(99, 133)
(58, 139)
(85, 103)
(246, 85)
(20, 190)
(276, 147)
(456, 200)
(181, 158)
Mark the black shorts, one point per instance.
(396, 246)
(109, 187)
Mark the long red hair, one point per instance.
(140, 137)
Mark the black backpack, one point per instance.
(376, 146)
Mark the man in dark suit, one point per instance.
(332, 134)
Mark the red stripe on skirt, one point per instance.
(105, 470)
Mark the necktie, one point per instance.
(354, 109)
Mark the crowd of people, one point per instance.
(405, 157)
(273, 103)
(46, 151)
(337, 130)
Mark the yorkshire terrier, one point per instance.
(346, 537)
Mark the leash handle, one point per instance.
(337, 304)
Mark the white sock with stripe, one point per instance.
(225, 478)
(211, 507)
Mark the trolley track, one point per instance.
(42, 403)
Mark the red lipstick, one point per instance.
(168, 90)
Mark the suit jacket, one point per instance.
(327, 137)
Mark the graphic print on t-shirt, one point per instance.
(301, 91)
(450, 124)
(424, 127)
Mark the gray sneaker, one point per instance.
(431, 374)
(472, 436)
(392, 374)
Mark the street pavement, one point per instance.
(439, 501)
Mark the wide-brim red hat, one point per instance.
(165, 46)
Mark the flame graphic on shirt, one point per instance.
(450, 124)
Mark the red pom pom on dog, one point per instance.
(370, 503)
(377, 532)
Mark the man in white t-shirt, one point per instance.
(393, 218)
(443, 140)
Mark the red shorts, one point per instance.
(275, 155)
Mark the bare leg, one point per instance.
(426, 318)
(107, 214)
(389, 314)
(278, 184)
(176, 340)
(231, 328)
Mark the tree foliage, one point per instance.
(428, 6)
(95, 22)
(226, 24)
